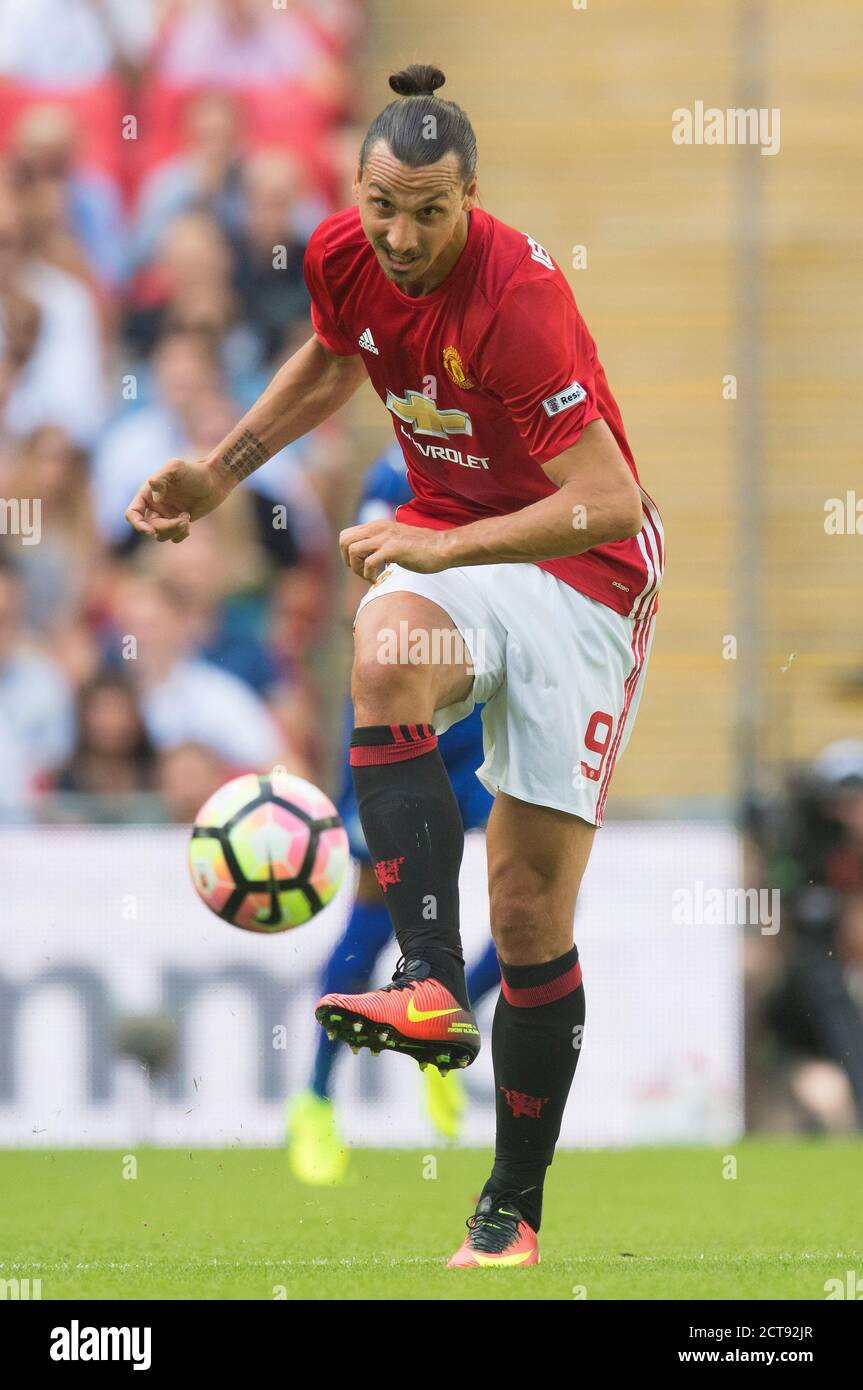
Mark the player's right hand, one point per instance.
(171, 499)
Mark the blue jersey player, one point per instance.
(316, 1152)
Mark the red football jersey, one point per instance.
(487, 377)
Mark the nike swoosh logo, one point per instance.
(501, 1259)
(416, 1015)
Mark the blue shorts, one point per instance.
(462, 752)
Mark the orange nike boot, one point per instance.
(414, 1014)
(497, 1234)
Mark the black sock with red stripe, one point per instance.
(415, 835)
(535, 1044)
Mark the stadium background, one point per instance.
(155, 158)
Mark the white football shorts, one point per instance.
(559, 675)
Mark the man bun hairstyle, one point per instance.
(413, 138)
(418, 80)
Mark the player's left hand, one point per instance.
(369, 548)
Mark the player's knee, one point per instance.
(384, 691)
(527, 923)
(516, 926)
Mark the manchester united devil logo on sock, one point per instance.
(524, 1105)
(387, 871)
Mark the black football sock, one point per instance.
(415, 835)
(535, 1044)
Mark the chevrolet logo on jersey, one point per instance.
(420, 412)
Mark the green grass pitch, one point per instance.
(232, 1224)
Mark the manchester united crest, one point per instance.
(454, 368)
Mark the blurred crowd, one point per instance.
(803, 986)
(162, 165)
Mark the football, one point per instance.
(267, 853)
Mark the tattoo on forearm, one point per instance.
(245, 455)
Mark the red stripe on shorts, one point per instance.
(640, 634)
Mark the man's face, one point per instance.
(184, 372)
(160, 628)
(415, 219)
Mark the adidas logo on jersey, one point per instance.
(366, 341)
